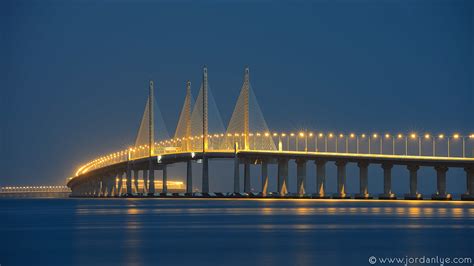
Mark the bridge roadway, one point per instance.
(108, 180)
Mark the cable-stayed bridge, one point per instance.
(200, 135)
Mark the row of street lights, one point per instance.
(370, 139)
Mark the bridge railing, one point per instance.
(411, 144)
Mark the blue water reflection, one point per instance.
(230, 232)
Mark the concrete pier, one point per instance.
(469, 195)
(145, 182)
(110, 185)
(135, 180)
(320, 179)
(103, 185)
(120, 184)
(205, 174)
(387, 182)
(165, 179)
(129, 181)
(151, 171)
(301, 176)
(189, 177)
(341, 181)
(413, 195)
(441, 184)
(363, 181)
(283, 176)
(264, 167)
(247, 185)
(236, 174)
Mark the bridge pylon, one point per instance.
(183, 128)
(151, 120)
(247, 123)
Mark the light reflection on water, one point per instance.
(277, 232)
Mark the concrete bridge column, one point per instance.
(363, 180)
(441, 184)
(151, 171)
(120, 184)
(247, 185)
(135, 180)
(103, 185)
(413, 195)
(387, 182)
(129, 181)
(145, 182)
(96, 187)
(283, 176)
(469, 195)
(320, 179)
(301, 176)
(264, 178)
(236, 174)
(110, 184)
(189, 177)
(165, 180)
(90, 189)
(205, 174)
(341, 181)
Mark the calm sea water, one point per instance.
(229, 232)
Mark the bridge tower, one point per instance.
(151, 141)
(245, 92)
(183, 128)
(205, 123)
(205, 131)
(188, 114)
(151, 125)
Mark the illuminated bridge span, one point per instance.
(35, 189)
(200, 136)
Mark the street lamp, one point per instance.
(363, 136)
(325, 141)
(330, 136)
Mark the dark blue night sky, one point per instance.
(74, 76)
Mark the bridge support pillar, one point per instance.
(118, 192)
(135, 181)
(129, 181)
(145, 182)
(264, 178)
(96, 185)
(441, 184)
(283, 176)
(363, 180)
(301, 176)
(320, 179)
(110, 185)
(387, 182)
(164, 188)
(469, 195)
(104, 183)
(205, 174)
(236, 174)
(189, 177)
(151, 171)
(413, 195)
(247, 185)
(341, 181)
